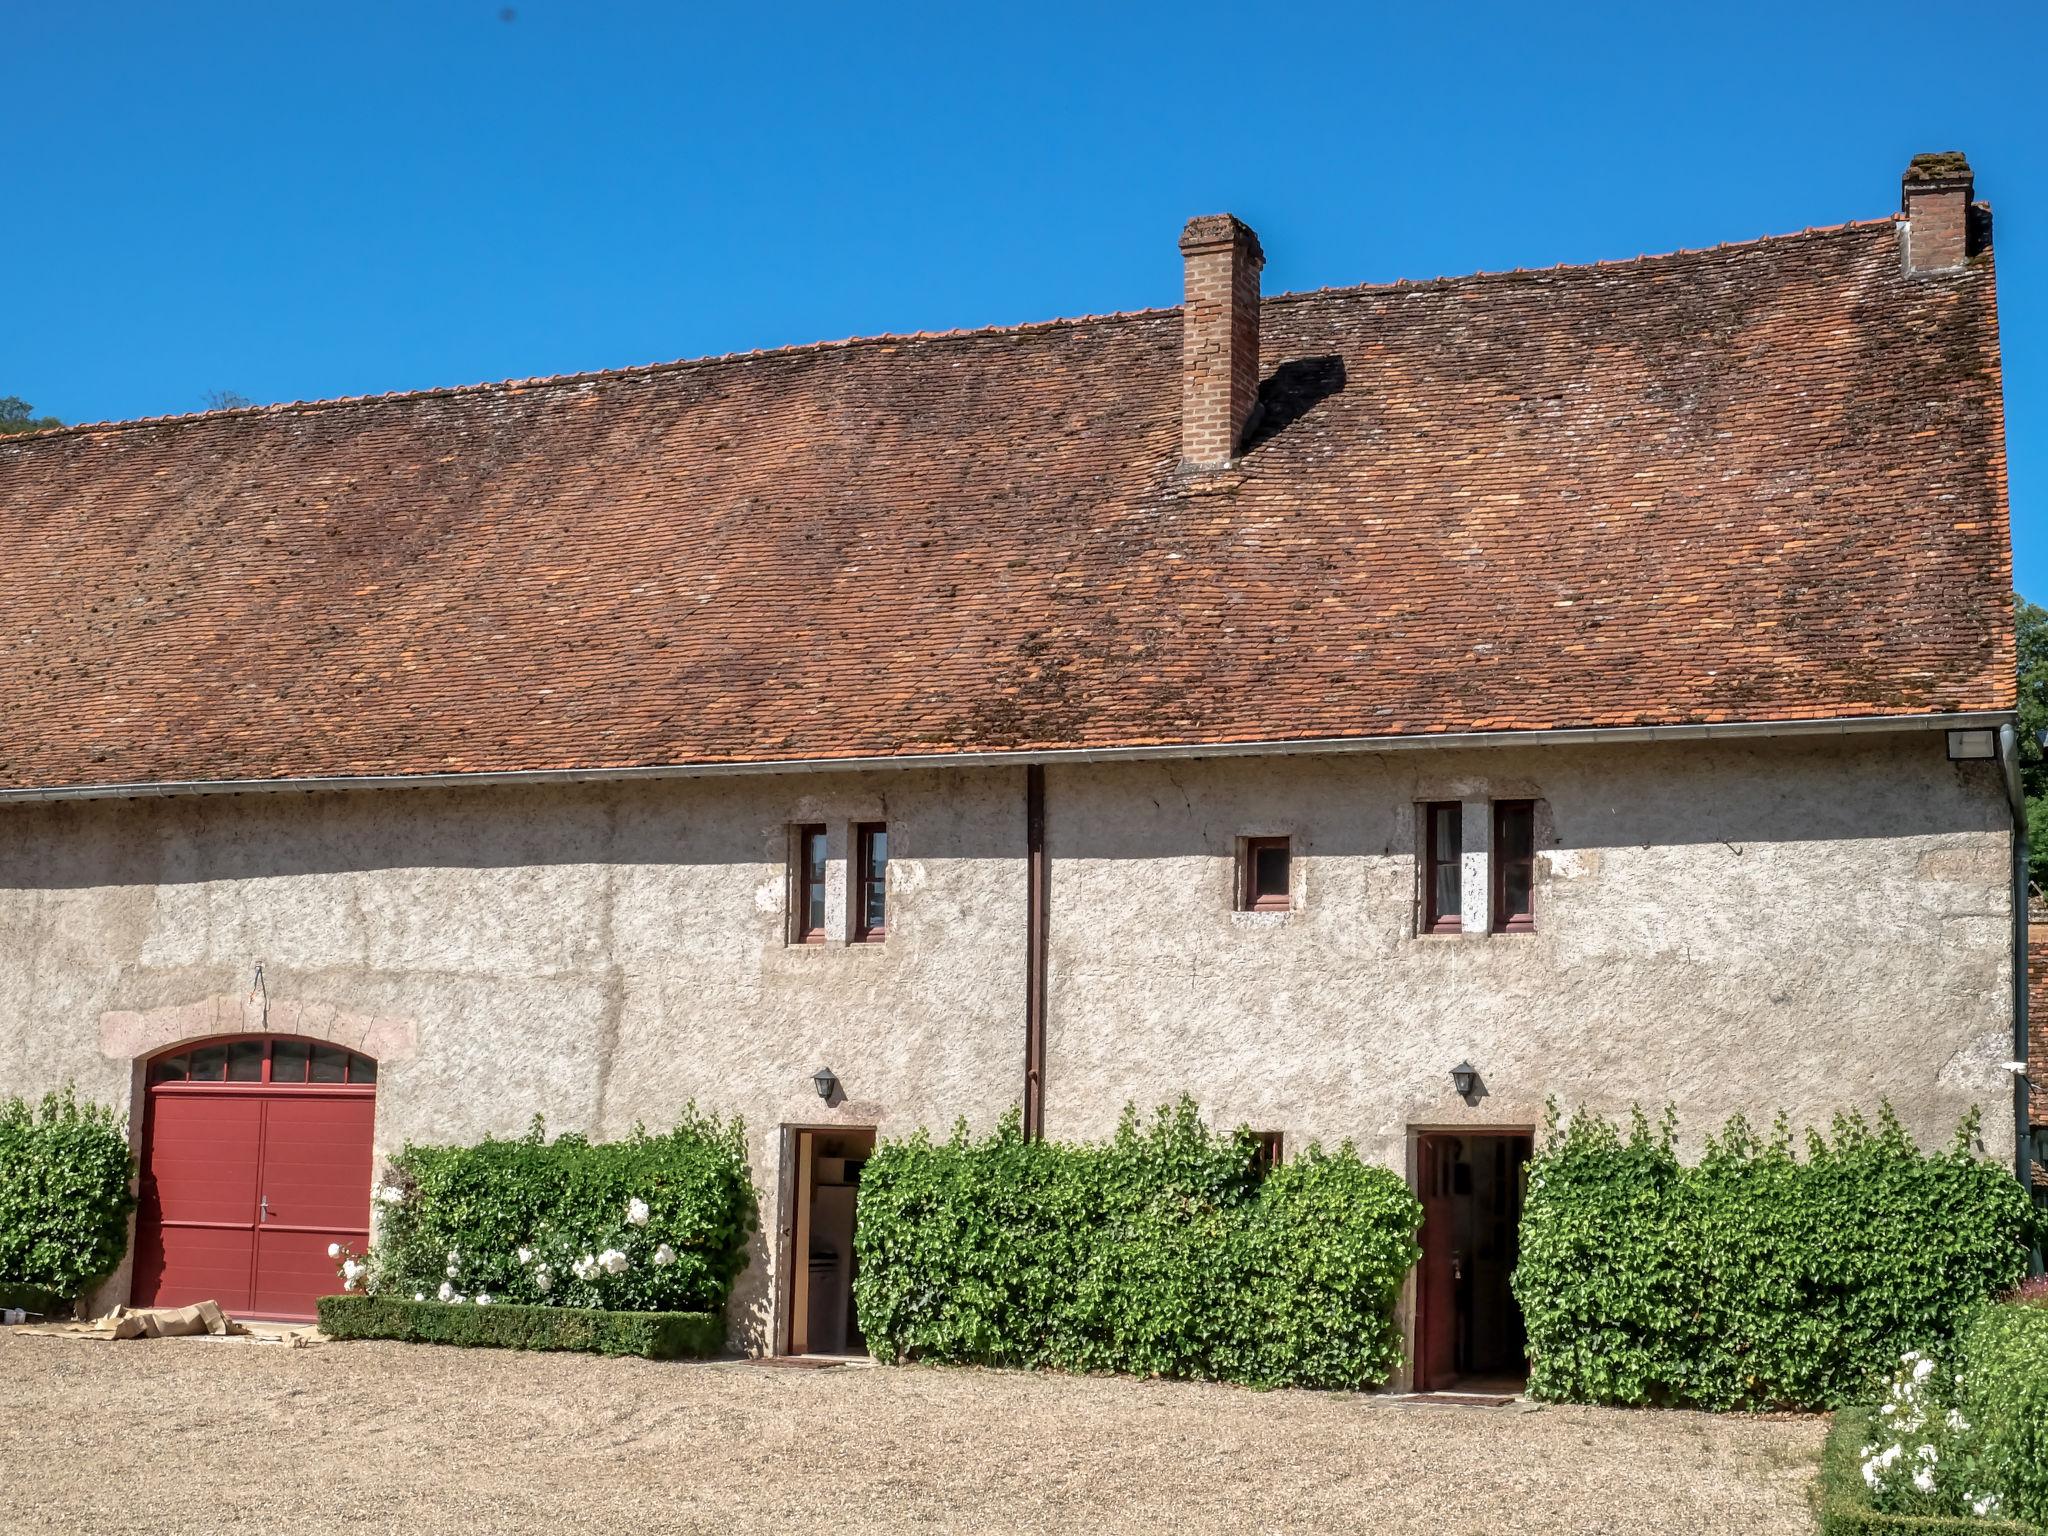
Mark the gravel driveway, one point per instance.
(182, 1435)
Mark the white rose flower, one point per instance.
(526, 1255)
(1984, 1506)
(334, 1250)
(1922, 1371)
(348, 1282)
(454, 1256)
(350, 1269)
(664, 1254)
(453, 1271)
(614, 1262)
(636, 1212)
(1928, 1455)
(1870, 1470)
(483, 1299)
(419, 1295)
(1887, 1410)
(1924, 1479)
(542, 1283)
(446, 1290)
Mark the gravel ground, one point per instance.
(183, 1435)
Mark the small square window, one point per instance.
(871, 887)
(1269, 1154)
(807, 882)
(1268, 871)
(1514, 866)
(1443, 872)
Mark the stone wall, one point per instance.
(1800, 924)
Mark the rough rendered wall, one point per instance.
(1801, 924)
(599, 954)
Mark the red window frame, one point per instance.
(1523, 859)
(1435, 814)
(171, 1070)
(1249, 897)
(807, 875)
(870, 883)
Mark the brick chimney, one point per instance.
(1936, 194)
(1219, 349)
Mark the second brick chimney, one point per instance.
(1219, 358)
(1935, 194)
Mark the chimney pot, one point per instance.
(1935, 194)
(1219, 367)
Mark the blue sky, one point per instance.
(292, 201)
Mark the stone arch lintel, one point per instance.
(131, 1035)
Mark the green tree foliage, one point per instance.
(1167, 1251)
(65, 1193)
(17, 415)
(1758, 1278)
(470, 1210)
(2030, 620)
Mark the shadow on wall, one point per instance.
(1669, 794)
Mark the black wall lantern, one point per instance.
(824, 1082)
(1464, 1078)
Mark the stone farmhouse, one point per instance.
(1374, 711)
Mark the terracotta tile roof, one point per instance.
(1758, 482)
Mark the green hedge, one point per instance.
(1845, 1508)
(654, 1335)
(523, 1221)
(66, 1188)
(2003, 1354)
(1164, 1252)
(1758, 1278)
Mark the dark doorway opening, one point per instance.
(822, 1320)
(1468, 1331)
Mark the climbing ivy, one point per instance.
(1167, 1251)
(65, 1192)
(1757, 1278)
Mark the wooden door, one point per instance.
(1436, 1323)
(256, 1155)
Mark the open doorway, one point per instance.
(1468, 1331)
(821, 1318)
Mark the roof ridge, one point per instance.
(884, 338)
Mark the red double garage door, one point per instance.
(247, 1178)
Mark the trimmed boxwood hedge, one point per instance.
(1845, 1508)
(1758, 1278)
(652, 1335)
(1169, 1251)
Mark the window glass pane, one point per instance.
(1269, 871)
(874, 894)
(361, 1069)
(811, 914)
(245, 1061)
(171, 1069)
(330, 1063)
(1514, 832)
(1447, 849)
(288, 1061)
(1514, 890)
(208, 1064)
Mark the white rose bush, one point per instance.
(652, 1223)
(1923, 1458)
